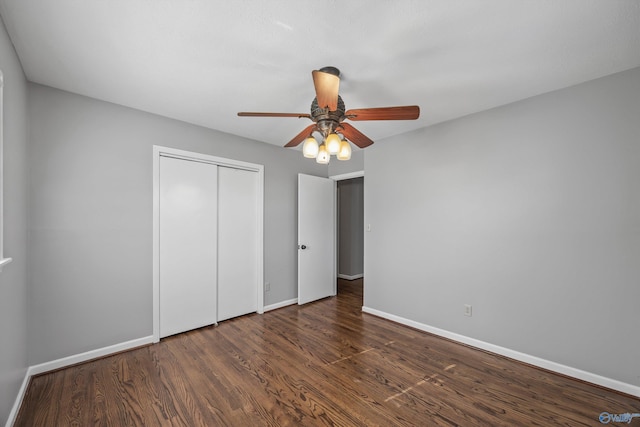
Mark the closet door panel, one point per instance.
(237, 242)
(188, 252)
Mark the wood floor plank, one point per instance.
(322, 364)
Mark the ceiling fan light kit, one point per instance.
(328, 114)
(333, 143)
(310, 148)
(345, 150)
(323, 155)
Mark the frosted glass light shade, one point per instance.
(323, 155)
(333, 143)
(310, 148)
(345, 150)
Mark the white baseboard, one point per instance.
(522, 357)
(83, 357)
(68, 361)
(347, 277)
(16, 405)
(280, 304)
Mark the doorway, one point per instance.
(350, 241)
(350, 232)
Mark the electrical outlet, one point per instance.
(267, 286)
(467, 310)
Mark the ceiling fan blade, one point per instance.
(408, 112)
(301, 136)
(327, 86)
(354, 135)
(250, 114)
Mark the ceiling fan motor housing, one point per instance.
(328, 121)
(330, 70)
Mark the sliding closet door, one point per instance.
(187, 245)
(237, 242)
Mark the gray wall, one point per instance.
(351, 227)
(355, 164)
(13, 279)
(91, 217)
(529, 212)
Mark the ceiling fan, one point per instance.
(328, 114)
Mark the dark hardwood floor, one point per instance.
(325, 363)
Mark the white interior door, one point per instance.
(237, 242)
(187, 245)
(316, 238)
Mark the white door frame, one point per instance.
(336, 178)
(159, 151)
(345, 176)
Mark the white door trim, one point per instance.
(336, 178)
(349, 175)
(159, 151)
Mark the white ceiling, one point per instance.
(202, 61)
